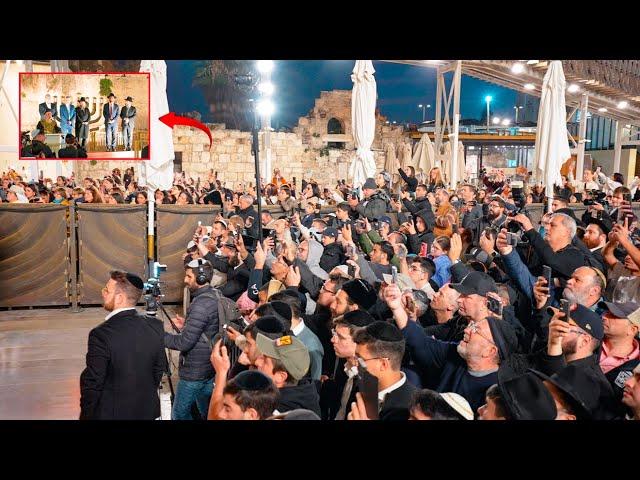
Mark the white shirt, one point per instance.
(117, 311)
(298, 329)
(382, 394)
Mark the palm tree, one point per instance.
(228, 101)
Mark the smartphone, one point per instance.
(494, 305)
(394, 274)
(349, 251)
(368, 388)
(564, 306)
(424, 249)
(546, 273)
(454, 228)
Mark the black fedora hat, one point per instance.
(128, 99)
(526, 398)
(580, 387)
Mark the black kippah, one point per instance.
(270, 324)
(135, 280)
(358, 318)
(385, 331)
(282, 309)
(252, 380)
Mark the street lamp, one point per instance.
(423, 110)
(496, 120)
(488, 99)
(517, 109)
(506, 122)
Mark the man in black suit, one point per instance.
(47, 105)
(110, 112)
(380, 346)
(125, 359)
(83, 117)
(128, 115)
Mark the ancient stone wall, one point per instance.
(301, 154)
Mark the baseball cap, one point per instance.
(330, 232)
(289, 350)
(628, 310)
(385, 219)
(478, 283)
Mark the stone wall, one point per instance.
(301, 154)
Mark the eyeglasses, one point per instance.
(474, 328)
(325, 289)
(358, 357)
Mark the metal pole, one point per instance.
(617, 148)
(516, 107)
(582, 133)
(256, 147)
(456, 125)
(74, 258)
(488, 102)
(423, 110)
(151, 201)
(438, 119)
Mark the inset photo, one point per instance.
(94, 116)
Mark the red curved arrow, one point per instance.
(171, 119)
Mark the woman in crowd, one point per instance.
(141, 198)
(184, 198)
(435, 180)
(440, 255)
(92, 195)
(408, 174)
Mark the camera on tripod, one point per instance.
(597, 196)
(152, 292)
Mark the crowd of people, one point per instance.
(413, 303)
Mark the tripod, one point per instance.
(153, 304)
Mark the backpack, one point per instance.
(227, 309)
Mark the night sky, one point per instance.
(298, 82)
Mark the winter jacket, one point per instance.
(332, 256)
(419, 204)
(195, 352)
(289, 205)
(412, 182)
(374, 207)
(432, 355)
(303, 395)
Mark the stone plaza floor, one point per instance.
(42, 354)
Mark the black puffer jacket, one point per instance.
(418, 204)
(195, 353)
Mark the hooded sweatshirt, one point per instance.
(426, 236)
(313, 259)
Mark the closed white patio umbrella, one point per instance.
(424, 156)
(363, 119)
(552, 145)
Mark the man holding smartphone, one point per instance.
(380, 347)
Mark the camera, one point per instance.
(152, 292)
(597, 196)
